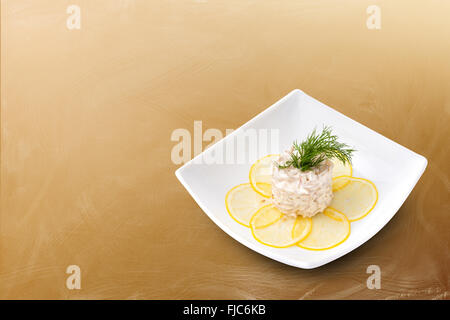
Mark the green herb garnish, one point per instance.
(316, 149)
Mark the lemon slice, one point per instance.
(272, 228)
(302, 228)
(356, 199)
(261, 172)
(329, 229)
(242, 202)
(268, 216)
(340, 169)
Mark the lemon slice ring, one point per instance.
(355, 209)
(266, 221)
(278, 229)
(300, 228)
(339, 169)
(257, 175)
(329, 229)
(242, 202)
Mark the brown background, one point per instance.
(86, 119)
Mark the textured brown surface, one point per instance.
(86, 119)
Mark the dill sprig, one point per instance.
(316, 149)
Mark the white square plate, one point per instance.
(294, 117)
